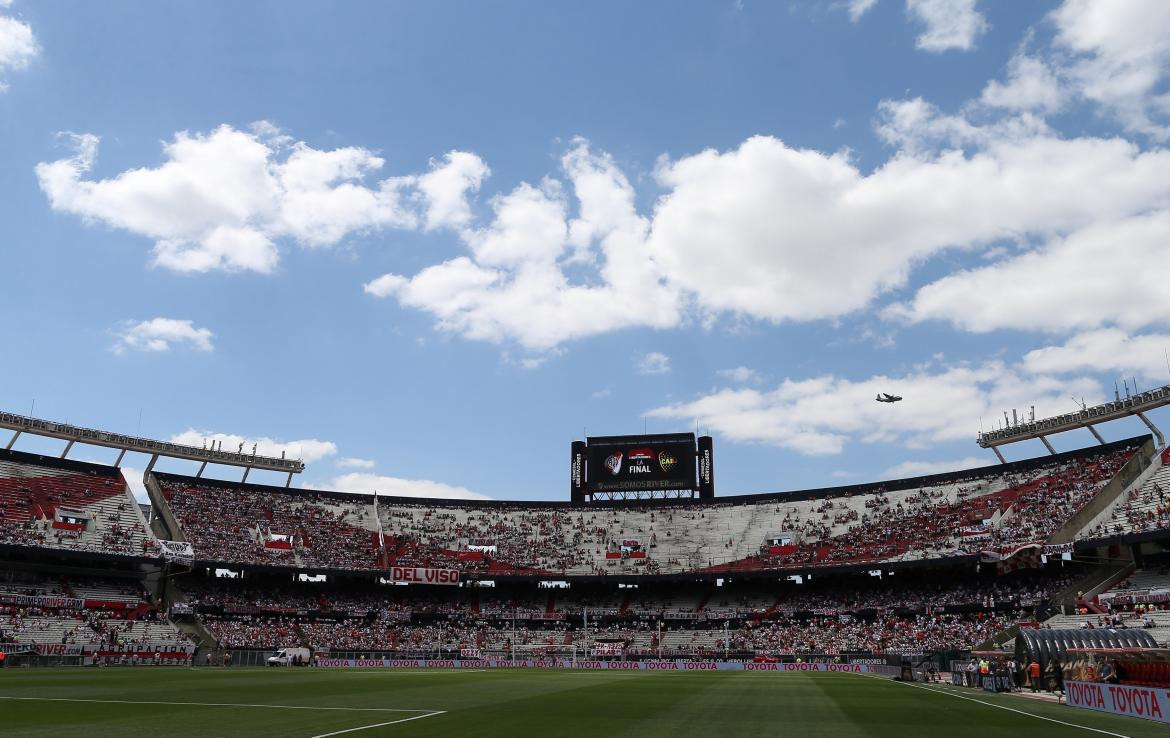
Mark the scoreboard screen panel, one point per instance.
(664, 461)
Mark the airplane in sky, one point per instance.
(887, 397)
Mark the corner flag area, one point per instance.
(309, 702)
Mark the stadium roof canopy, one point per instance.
(1086, 417)
(75, 434)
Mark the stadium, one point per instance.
(719, 368)
(951, 583)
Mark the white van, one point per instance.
(285, 656)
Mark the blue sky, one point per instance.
(426, 245)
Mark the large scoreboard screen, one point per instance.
(664, 461)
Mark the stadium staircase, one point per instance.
(1090, 584)
(1086, 595)
(1000, 640)
(163, 521)
(705, 599)
(1129, 478)
(192, 627)
(1142, 499)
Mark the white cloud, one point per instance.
(918, 127)
(739, 375)
(18, 46)
(396, 487)
(446, 186)
(654, 362)
(307, 450)
(763, 231)
(925, 468)
(134, 482)
(768, 231)
(858, 8)
(1099, 275)
(160, 334)
(350, 462)
(787, 234)
(823, 414)
(1114, 54)
(515, 284)
(223, 200)
(1109, 349)
(1031, 85)
(1117, 53)
(950, 24)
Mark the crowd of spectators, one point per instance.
(253, 525)
(885, 635)
(31, 497)
(991, 509)
(1145, 509)
(71, 609)
(1027, 509)
(254, 631)
(822, 634)
(922, 612)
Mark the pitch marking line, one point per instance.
(216, 704)
(379, 725)
(1010, 709)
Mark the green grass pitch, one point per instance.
(361, 703)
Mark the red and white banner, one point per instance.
(418, 575)
(1150, 703)
(470, 653)
(1136, 596)
(1008, 559)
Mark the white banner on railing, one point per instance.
(419, 575)
(181, 552)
